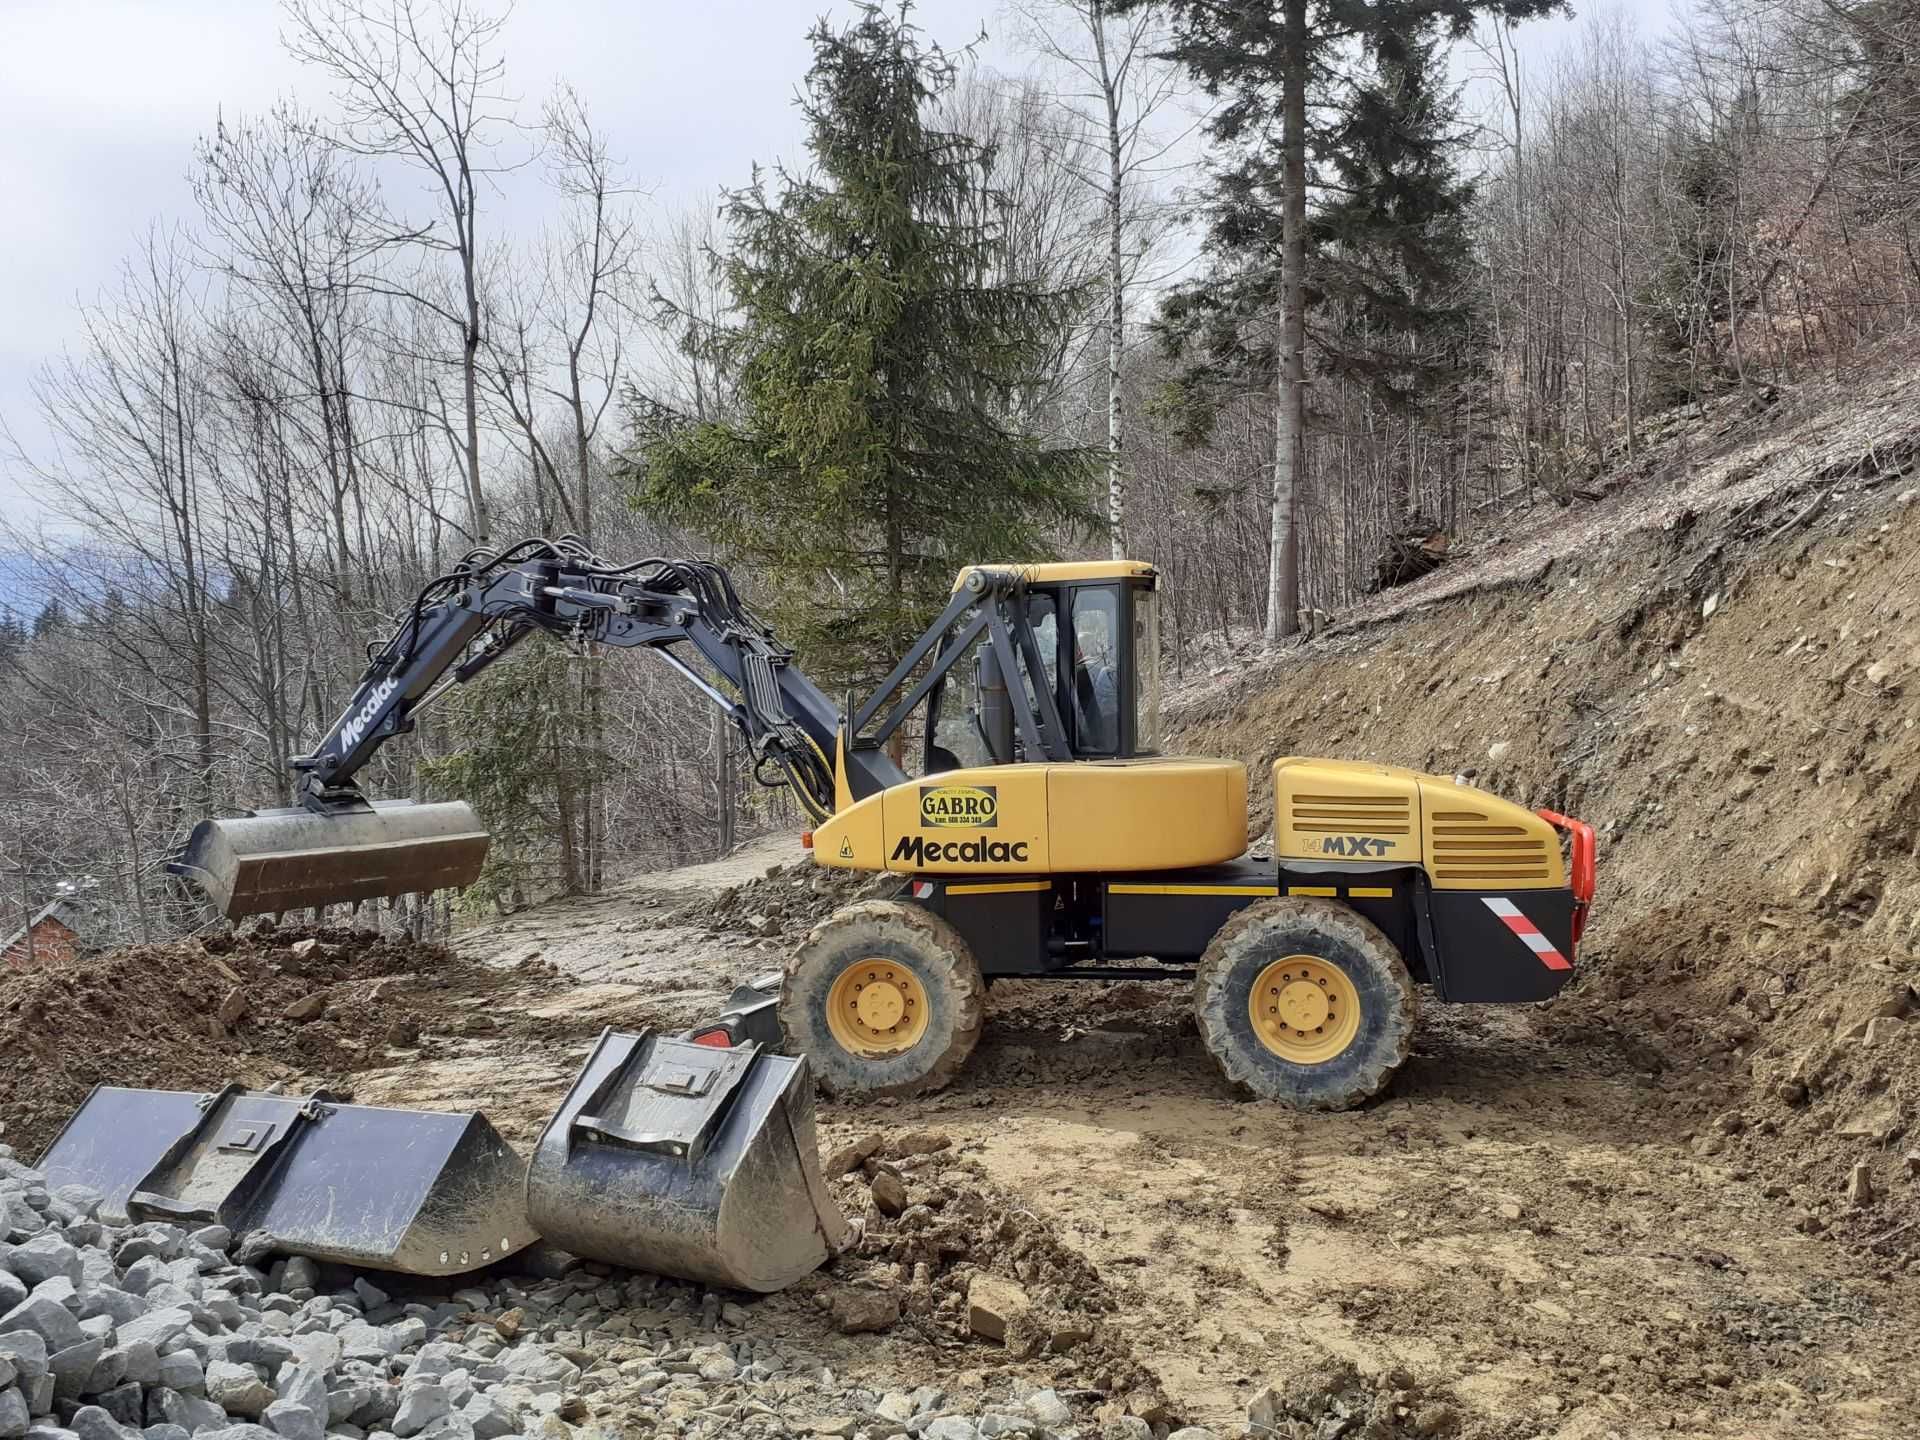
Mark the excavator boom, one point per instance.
(335, 845)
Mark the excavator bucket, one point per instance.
(689, 1160)
(410, 1190)
(292, 859)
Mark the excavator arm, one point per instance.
(465, 621)
(336, 845)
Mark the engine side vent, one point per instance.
(1352, 814)
(1468, 845)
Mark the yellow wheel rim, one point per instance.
(877, 1007)
(1304, 1009)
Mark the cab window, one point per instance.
(1096, 696)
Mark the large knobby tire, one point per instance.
(883, 998)
(1313, 960)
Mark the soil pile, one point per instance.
(964, 1263)
(789, 900)
(270, 1004)
(1339, 1401)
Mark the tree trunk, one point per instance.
(1116, 294)
(1283, 562)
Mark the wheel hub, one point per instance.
(1304, 1009)
(877, 1007)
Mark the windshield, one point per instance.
(955, 736)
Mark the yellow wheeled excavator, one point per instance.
(1045, 837)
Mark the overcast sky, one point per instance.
(101, 101)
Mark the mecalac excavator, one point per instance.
(1044, 837)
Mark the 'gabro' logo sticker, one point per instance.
(959, 807)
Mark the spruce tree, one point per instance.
(877, 361)
(1274, 67)
(1389, 252)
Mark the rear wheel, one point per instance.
(883, 998)
(1303, 1001)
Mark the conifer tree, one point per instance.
(1274, 67)
(1389, 252)
(877, 359)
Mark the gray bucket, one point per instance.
(293, 859)
(417, 1191)
(687, 1160)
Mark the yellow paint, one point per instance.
(877, 1007)
(1338, 810)
(1012, 887)
(1111, 817)
(1477, 841)
(1465, 838)
(842, 791)
(1015, 843)
(1146, 814)
(1193, 890)
(1060, 572)
(1087, 817)
(1304, 1009)
(854, 839)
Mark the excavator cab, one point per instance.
(1095, 630)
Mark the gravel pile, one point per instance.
(162, 1332)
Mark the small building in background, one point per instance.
(57, 933)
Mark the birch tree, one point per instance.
(1114, 85)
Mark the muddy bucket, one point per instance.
(417, 1191)
(687, 1160)
(293, 859)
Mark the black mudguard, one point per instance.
(1493, 947)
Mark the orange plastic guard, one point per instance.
(1584, 852)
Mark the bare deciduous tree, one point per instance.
(420, 81)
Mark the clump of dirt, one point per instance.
(788, 900)
(268, 1004)
(931, 1222)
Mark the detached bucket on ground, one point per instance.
(688, 1160)
(294, 859)
(418, 1191)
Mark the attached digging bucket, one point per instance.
(687, 1160)
(410, 1190)
(293, 859)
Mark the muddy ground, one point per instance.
(1521, 1239)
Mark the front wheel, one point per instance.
(883, 998)
(1304, 1001)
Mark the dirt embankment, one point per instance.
(1733, 700)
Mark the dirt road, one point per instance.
(1521, 1240)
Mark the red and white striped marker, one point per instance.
(1528, 932)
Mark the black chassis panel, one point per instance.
(1006, 923)
(1177, 923)
(1450, 938)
